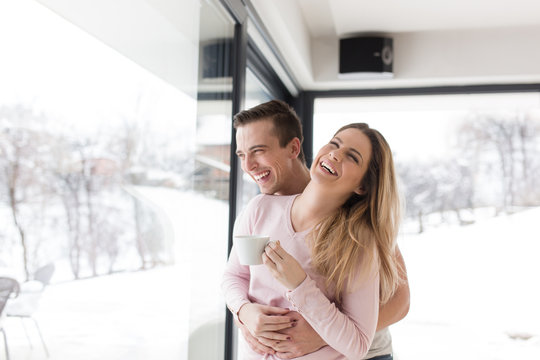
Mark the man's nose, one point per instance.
(250, 163)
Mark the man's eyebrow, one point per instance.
(352, 149)
(257, 147)
(254, 147)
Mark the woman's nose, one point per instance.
(335, 154)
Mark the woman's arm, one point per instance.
(350, 329)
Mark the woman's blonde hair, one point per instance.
(364, 229)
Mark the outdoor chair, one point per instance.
(27, 303)
(9, 289)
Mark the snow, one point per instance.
(473, 288)
(474, 294)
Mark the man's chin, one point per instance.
(267, 189)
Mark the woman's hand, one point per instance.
(283, 266)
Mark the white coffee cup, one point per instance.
(250, 248)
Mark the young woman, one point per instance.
(332, 258)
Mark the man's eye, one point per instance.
(241, 156)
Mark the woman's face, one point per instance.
(343, 162)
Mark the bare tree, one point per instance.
(68, 183)
(506, 143)
(420, 189)
(19, 149)
(528, 143)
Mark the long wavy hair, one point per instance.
(364, 229)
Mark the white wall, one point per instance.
(444, 58)
(160, 35)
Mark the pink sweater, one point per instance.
(348, 330)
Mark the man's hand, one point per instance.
(304, 339)
(252, 341)
(398, 306)
(264, 322)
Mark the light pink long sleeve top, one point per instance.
(348, 329)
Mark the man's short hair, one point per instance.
(286, 123)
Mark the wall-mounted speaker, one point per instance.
(366, 57)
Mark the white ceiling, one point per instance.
(307, 33)
(341, 17)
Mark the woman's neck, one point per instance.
(312, 206)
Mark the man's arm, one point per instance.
(398, 306)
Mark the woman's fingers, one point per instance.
(271, 338)
(275, 252)
(274, 327)
(284, 267)
(276, 246)
(272, 255)
(268, 262)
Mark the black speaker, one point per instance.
(366, 54)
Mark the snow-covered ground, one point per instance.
(474, 295)
(475, 291)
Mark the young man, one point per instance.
(269, 146)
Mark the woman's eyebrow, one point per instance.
(352, 149)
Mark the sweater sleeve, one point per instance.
(348, 330)
(236, 278)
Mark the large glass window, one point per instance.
(469, 167)
(114, 167)
(256, 93)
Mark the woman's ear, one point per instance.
(360, 190)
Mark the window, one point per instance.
(469, 169)
(114, 152)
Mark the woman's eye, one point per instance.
(333, 143)
(354, 158)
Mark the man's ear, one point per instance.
(294, 147)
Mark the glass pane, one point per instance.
(469, 167)
(209, 209)
(256, 93)
(115, 171)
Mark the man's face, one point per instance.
(261, 156)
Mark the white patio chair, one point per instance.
(9, 289)
(27, 303)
